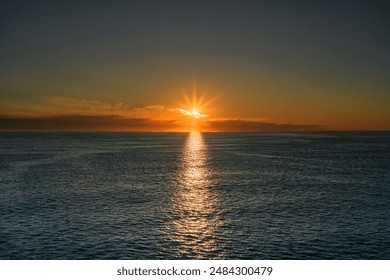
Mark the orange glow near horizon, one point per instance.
(193, 113)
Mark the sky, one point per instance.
(243, 65)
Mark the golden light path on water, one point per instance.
(194, 220)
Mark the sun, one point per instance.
(195, 105)
(195, 113)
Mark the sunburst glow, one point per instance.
(195, 105)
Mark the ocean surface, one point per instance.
(194, 196)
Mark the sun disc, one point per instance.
(195, 112)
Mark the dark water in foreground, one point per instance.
(206, 196)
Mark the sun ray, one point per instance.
(195, 104)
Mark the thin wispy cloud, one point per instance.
(58, 105)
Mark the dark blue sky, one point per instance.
(285, 54)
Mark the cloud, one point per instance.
(120, 123)
(85, 123)
(63, 113)
(233, 125)
(82, 104)
(95, 107)
(57, 105)
(194, 113)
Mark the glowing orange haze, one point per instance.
(67, 114)
(194, 113)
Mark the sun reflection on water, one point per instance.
(194, 218)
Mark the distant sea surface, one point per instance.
(194, 196)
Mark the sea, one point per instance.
(69, 195)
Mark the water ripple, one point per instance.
(194, 196)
